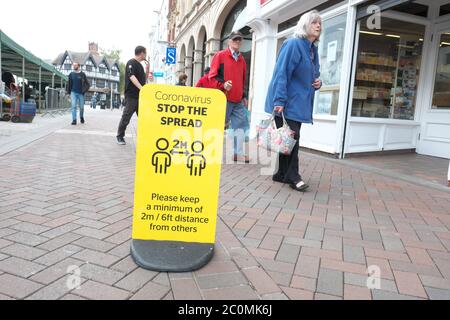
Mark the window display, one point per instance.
(387, 70)
(441, 95)
(331, 54)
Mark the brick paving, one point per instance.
(66, 200)
(426, 168)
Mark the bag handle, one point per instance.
(284, 119)
(272, 118)
(282, 116)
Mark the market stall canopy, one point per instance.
(12, 56)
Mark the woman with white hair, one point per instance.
(291, 91)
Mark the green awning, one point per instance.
(12, 55)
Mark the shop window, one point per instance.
(330, 57)
(101, 83)
(416, 9)
(441, 95)
(387, 70)
(292, 22)
(444, 10)
(331, 46)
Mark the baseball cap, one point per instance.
(235, 34)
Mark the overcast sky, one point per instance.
(49, 27)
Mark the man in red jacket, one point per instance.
(228, 72)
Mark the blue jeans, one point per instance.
(237, 114)
(77, 98)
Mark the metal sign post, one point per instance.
(23, 78)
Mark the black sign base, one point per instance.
(171, 256)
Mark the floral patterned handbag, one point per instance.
(279, 140)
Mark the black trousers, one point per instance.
(131, 106)
(288, 170)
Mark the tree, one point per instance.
(115, 54)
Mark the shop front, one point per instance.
(385, 72)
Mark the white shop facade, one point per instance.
(386, 81)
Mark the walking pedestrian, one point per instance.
(77, 87)
(134, 81)
(205, 82)
(292, 89)
(228, 72)
(94, 101)
(182, 79)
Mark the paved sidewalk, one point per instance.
(420, 167)
(16, 135)
(67, 199)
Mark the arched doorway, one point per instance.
(181, 60)
(201, 53)
(189, 64)
(229, 22)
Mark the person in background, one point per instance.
(204, 81)
(94, 101)
(292, 89)
(8, 79)
(182, 79)
(134, 81)
(77, 87)
(228, 73)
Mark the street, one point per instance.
(67, 199)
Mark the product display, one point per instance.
(407, 77)
(387, 73)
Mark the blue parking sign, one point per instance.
(171, 55)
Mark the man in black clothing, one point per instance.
(77, 88)
(135, 79)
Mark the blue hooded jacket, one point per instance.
(291, 85)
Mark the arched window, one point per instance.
(229, 22)
(246, 47)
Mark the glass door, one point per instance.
(435, 133)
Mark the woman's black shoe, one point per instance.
(300, 186)
(277, 179)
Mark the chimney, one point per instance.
(93, 47)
